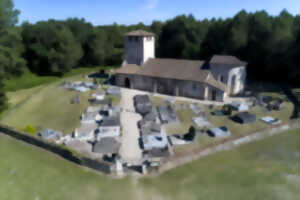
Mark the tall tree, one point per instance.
(8, 14)
(98, 48)
(50, 47)
(10, 46)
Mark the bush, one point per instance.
(30, 129)
(190, 136)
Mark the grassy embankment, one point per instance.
(267, 169)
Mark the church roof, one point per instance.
(139, 33)
(224, 60)
(173, 69)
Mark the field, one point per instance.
(268, 169)
(29, 80)
(30, 173)
(47, 105)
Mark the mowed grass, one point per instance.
(30, 173)
(186, 115)
(28, 79)
(268, 170)
(47, 106)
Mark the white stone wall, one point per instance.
(149, 48)
(240, 80)
(139, 49)
(226, 75)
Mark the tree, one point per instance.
(10, 46)
(294, 54)
(51, 48)
(11, 49)
(8, 15)
(182, 37)
(98, 48)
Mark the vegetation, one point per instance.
(50, 48)
(270, 44)
(30, 173)
(30, 129)
(267, 169)
(47, 106)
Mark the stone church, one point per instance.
(216, 79)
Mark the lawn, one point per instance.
(46, 106)
(41, 102)
(185, 117)
(29, 80)
(30, 173)
(268, 169)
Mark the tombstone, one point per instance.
(119, 167)
(144, 169)
(76, 99)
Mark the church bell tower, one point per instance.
(139, 47)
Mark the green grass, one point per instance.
(30, 173)
(244, 129)
(185, 117)
(29, 80)
(268, 170)
(46, 106)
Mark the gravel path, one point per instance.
(130, 150)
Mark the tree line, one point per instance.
(270, 44)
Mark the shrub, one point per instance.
(30, 129)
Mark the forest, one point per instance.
(270, 44)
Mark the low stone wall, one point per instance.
(102, 166)
(190, 156)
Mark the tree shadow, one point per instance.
(295, 99)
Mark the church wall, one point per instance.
(149, 48)
(227, 74)
(172, 87)
(134, 50)
(240, 74)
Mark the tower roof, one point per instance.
(139, 33)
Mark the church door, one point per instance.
(127, 83)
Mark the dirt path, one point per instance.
(130, 150)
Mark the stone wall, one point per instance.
(172, 87)
(227, 74)
(139, 49)
(101, 166)
(133, 48)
